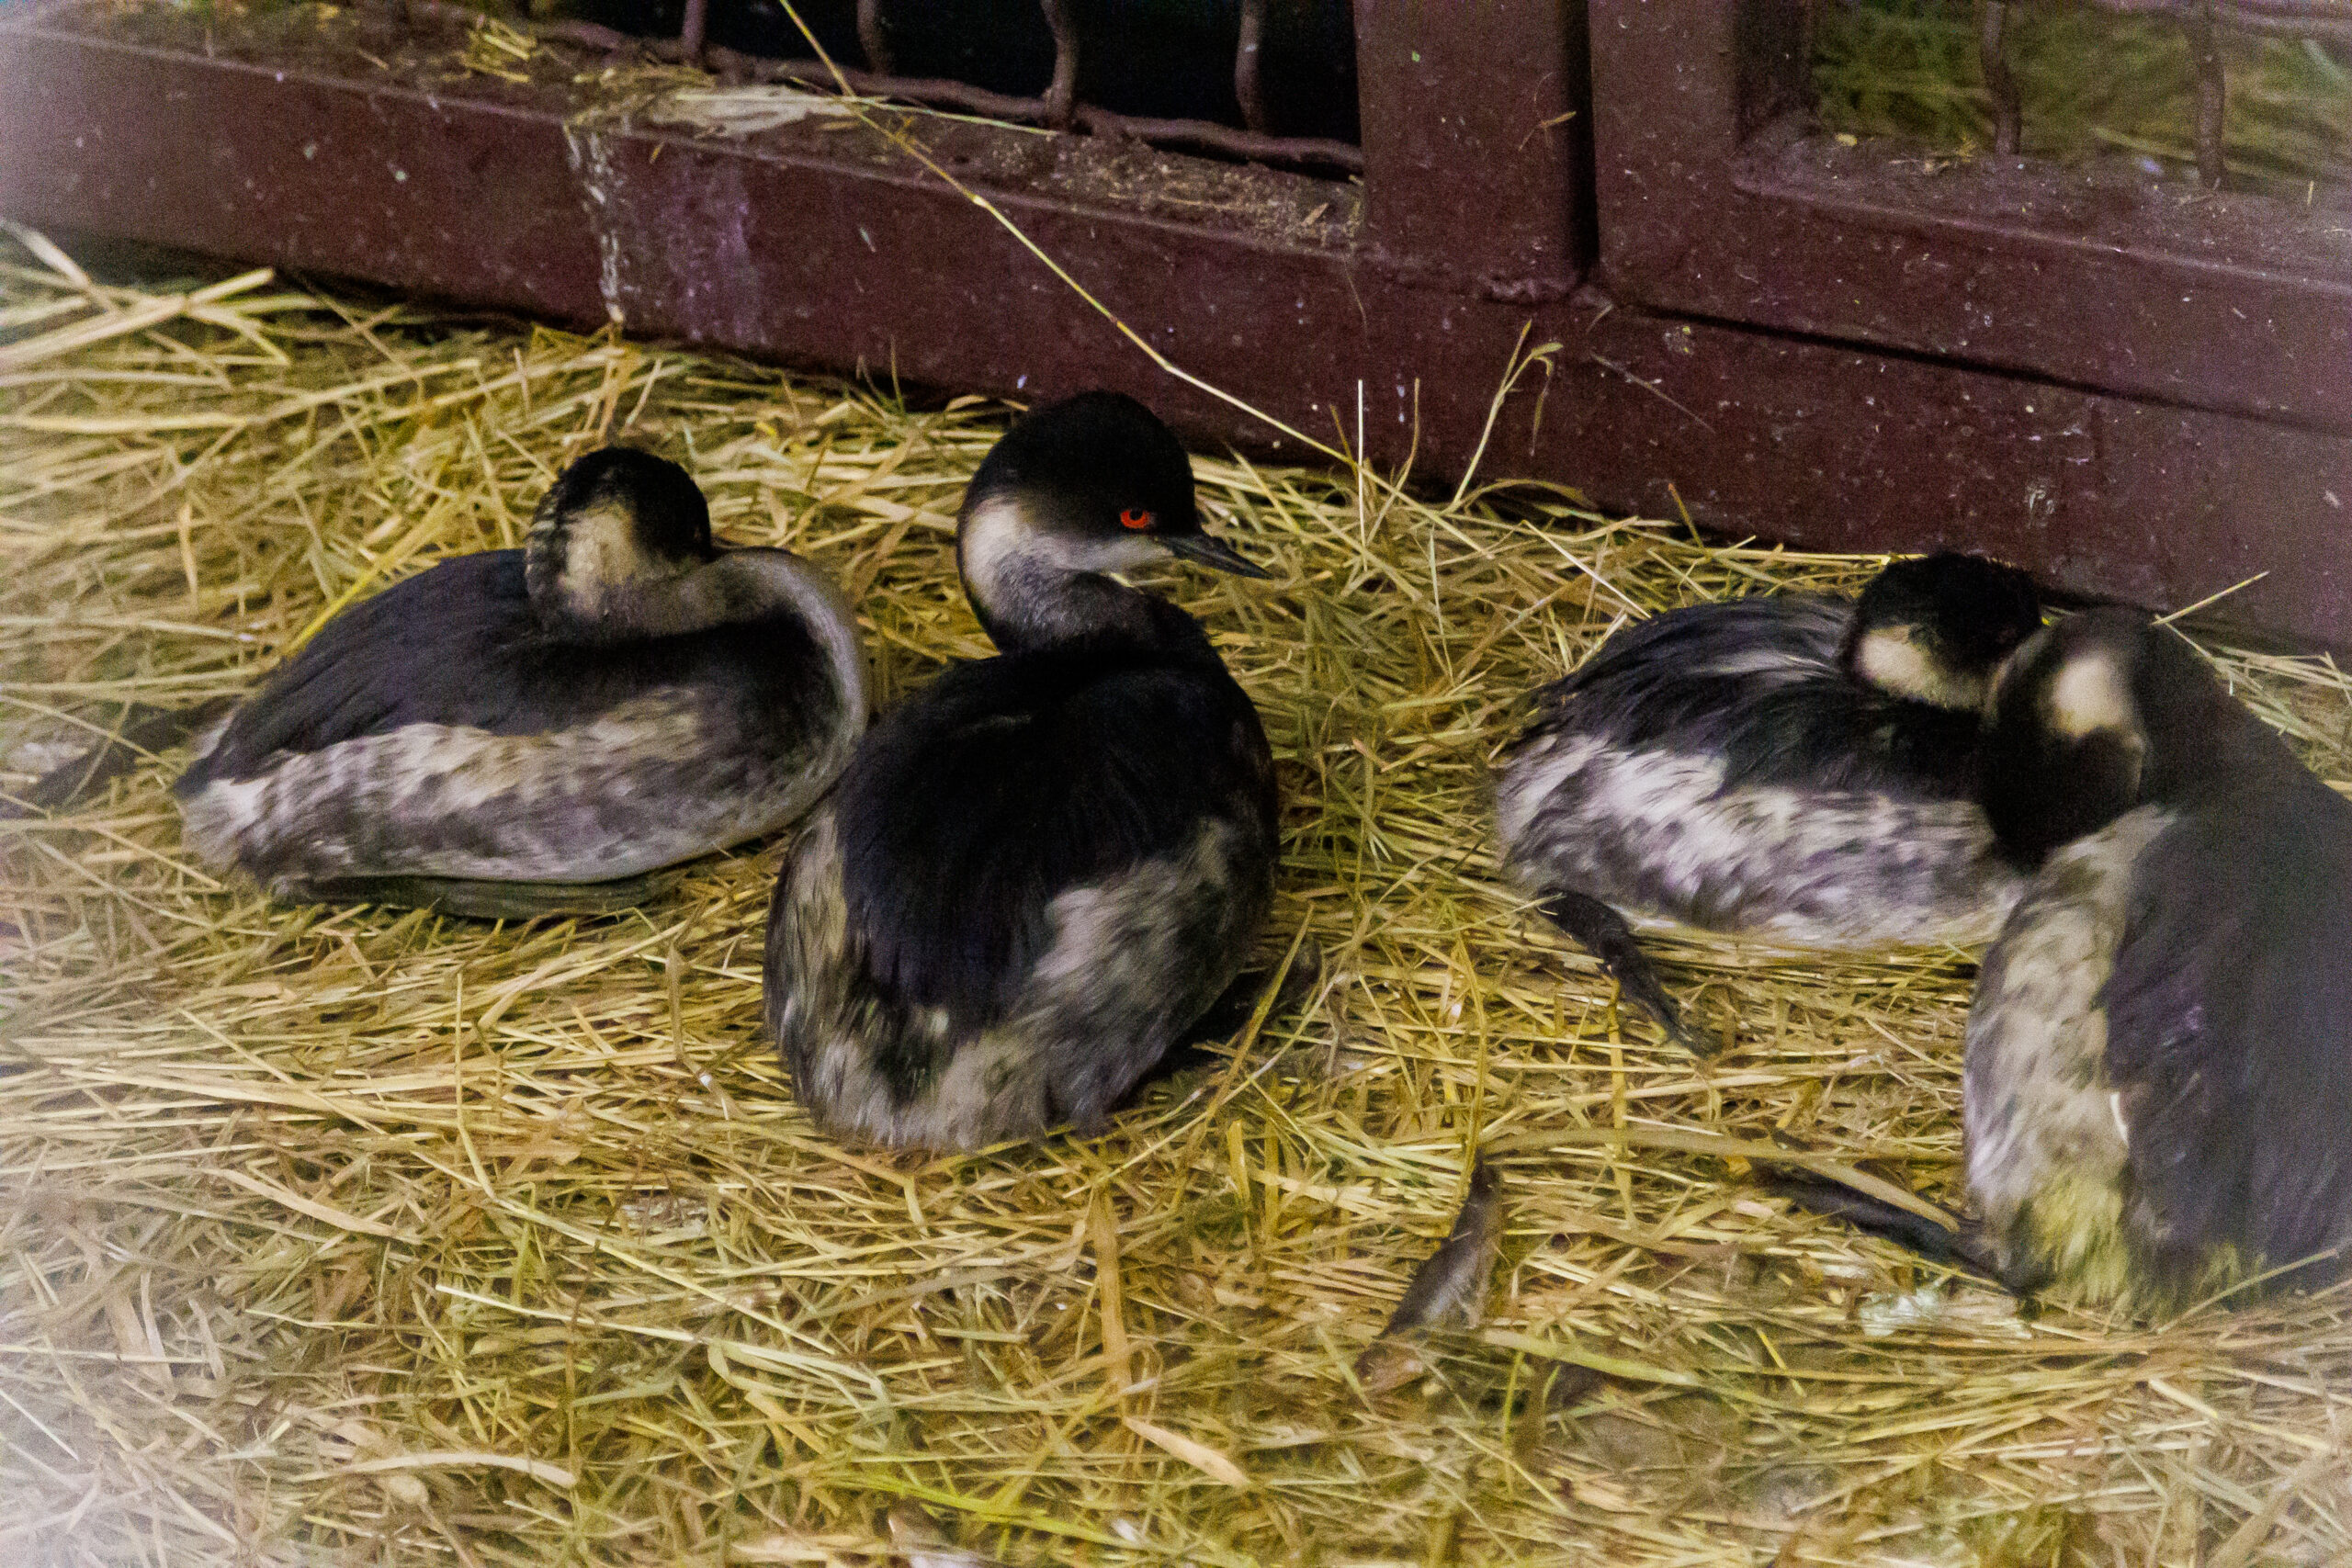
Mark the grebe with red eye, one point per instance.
(1041, 870)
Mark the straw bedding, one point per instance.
(335, 1234)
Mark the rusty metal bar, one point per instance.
(2212, 90)
(1061, 93)
(2009, 110)
(1247, 86)
(874, 38)
(1205, 136)
(2200, 22)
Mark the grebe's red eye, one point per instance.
(1135, 517)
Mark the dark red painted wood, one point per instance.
(1476, 145)
(1839, 449)
(342, 172)
(825, 247)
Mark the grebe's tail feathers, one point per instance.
(145, 730)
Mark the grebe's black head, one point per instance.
(2066, 737)
(614, 522)
(1934, 628)
(1091, 485)
(2108, 710)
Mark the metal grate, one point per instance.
(1077, 30)
(2201, 21)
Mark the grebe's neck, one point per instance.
(744, 584)
(580, 592)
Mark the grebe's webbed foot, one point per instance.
(1963, 1244)
(1603, 931)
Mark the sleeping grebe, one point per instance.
(1798, 768)
(525, 732)
(2158, 1087)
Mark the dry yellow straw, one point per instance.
(365, 1233)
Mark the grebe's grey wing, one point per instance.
(2228, 1043)
(426, 649)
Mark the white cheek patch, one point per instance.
(990, 538)
(999, 542)
(1887, 657)
(2091, 694)
(1890, 658)
(600, 547)
(1130, 553)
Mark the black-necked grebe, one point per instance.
(2159, 1074)
(1797, 769)
(1045, 865)
(529, 731)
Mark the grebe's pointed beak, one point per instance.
(1208, 551)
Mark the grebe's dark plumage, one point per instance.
(1041, 868)
(1798, 768)
(2159, 1073)
(523, 731)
